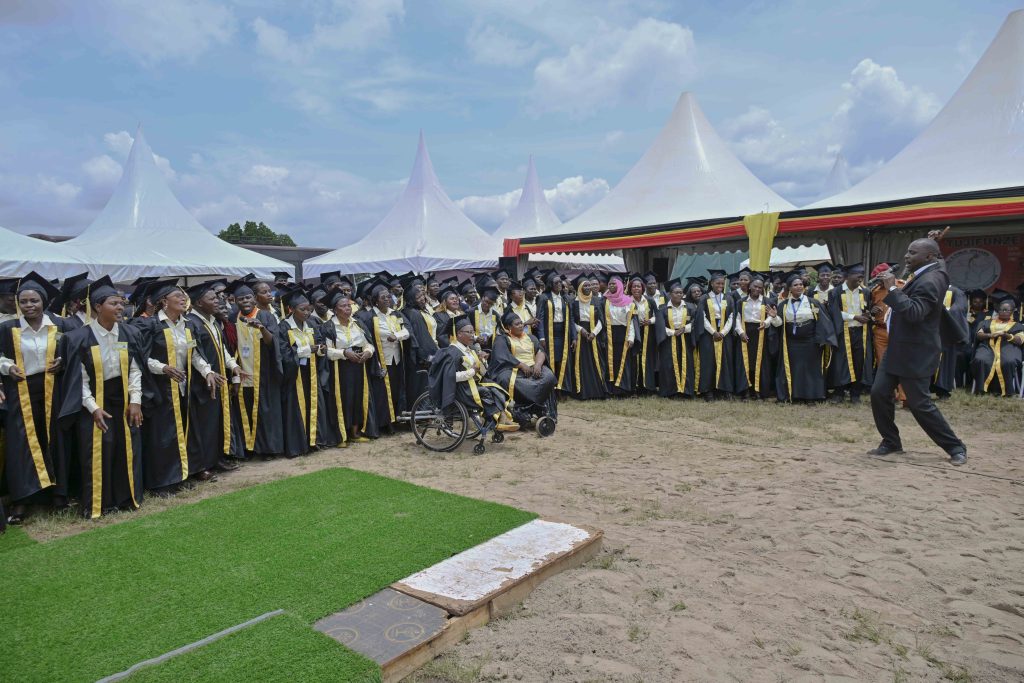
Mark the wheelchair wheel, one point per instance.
(479, 449)
(497, 437)
(438, 430)
(545, 426)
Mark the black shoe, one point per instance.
(225, 465)
(837, 398)
(884, 449)
(958, 457)
(855, 399)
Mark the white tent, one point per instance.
(21, 254)
(975, 143)
(424, 231)
(687, 174)
(838, 179)
(144, 230)
(533, 216)
(784, 257)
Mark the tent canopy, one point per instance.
(687, 174)
(424, 231)
(534, 216)
(21, 254)
(976, 142)
(838, 179)
(144, 230)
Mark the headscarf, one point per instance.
(584, 299)
(620, 298)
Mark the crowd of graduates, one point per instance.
(107, 394)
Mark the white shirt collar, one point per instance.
(102, 331)
(46, 322)
(924, 268)
(457, 344)
(294, 325)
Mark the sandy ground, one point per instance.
(744, 542)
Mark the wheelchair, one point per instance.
(443, 431)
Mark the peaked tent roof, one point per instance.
(424, 231)
(688, 173)
(144, 230)
(21, 254)
(976, 142)
(533, 215)
(838, 179)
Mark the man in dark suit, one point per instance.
(915, 343)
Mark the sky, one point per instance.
(305, 114)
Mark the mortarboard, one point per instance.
(101, 290)
(37, 283)
(195, 292)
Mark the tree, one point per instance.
(254, 233)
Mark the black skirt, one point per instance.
(115, 479)
(26, 473)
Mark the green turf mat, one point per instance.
(14, 537)
(283, 649)
(90, 605)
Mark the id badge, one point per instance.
(303, 361)
(121, 346)
(245, 351)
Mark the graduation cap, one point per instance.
(515, 285)
(838, 268)
(698, 280)
(467, 288)
(651, 277)
(101, 290)
(977, 294)
(331, 278)
(317, 293)
(294, 296)
(140, 293)
(410, 279)
(824, 268)
(160, 288)
(579, 280)
(489, 291)
(8, 285)
(531, 273)
(370, 289)
(37, 283)
(500, 273)
(600, 277)
(998, 296)
(448, 288)
(715, 274)
(280, 275)
(75, 287)
(250, 278)
(673, 283)
(334, 298)
(854, 269)
(388, 279)
(460, 321)
(144, 279)
(550, 277)
(239, 288)
(793, 275)
(195, 292)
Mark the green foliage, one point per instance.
(255, 233)
(90, 605)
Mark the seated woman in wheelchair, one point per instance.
(456, 375)
(517, 365)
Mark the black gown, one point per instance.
(348, 382)
(588, 370)
(945, 379)
(387, 382)
(110, 462)
(485, 323)
(560, 338)
(34, 458)
(715, 362)
(300, 389)
(418, 351)
(445, 389)
(503, 370)
(675, 354)
(165, 455)
(260, 406)
(621, 366)
(757, 358)
(803, 347)
(997, 362)
(853, 360)
(209, 416)
(444, 329)
(645, 348)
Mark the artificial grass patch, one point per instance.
(90, 605)
(15, 537)
(283, 649)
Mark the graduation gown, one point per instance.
(853, 360)
(945, 379)
(387, 382)
(645, 349)
(675, 351)
(260, 405)
(588, 370)
(418, 351)
(758, 356)
(715, 363)
(165, 454)
(803, 349)
(444, 334)
(445, 389)
(209, 417)
(348, 404)
(621, 365)
(559, 338)
(487, 324)
(503, 370)
(110, 462)
(300, 388)
(997, 362)
(33, 455)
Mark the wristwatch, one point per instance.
(892, 288)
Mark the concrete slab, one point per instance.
(475, 577)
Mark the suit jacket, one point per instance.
(915, 342)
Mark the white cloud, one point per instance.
(265, 176)
(355, 25)
(103, 171)
(59, 190)
(161, 31)
(880, 113)
(121, 143)
(653, 60)
(569, 197)
(612, 137)
(488, 45)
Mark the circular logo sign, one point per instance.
(973, 268)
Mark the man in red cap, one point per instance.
(879, 312)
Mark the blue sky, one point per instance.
(305, 114)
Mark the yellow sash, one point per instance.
(249, 423)
(28, 418)
(179, 427)
(225, 400)
(294, 336)
(716, 327)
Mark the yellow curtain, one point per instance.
(761, 230)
